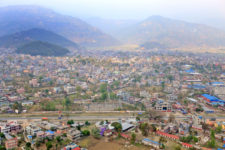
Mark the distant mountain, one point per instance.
(42, 48)
(172, 33)
(110, 26)
(36, 34)
(20, 18)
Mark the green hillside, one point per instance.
(42, 48)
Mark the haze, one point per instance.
(132, 9)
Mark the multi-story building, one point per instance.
(73, 134)
(32, 130)
(163, 106)
(10, 142)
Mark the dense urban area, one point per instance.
(113, 100)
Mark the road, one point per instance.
(70, 117)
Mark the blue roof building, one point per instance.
(149, 142)
(213, 100)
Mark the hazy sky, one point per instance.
(190, 10)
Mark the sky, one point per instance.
(210, 11)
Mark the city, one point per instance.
(112, 75)
(158, 100)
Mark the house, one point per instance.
(212, 99)
(152, 143)
(166, 135)
(40, 135)
(47, 125)
(50, 134)
(32, 130)
(10, 142)
(126, 126)
(57, 90)
(125, 136)
(163, 106)
(29, 103)
(73, 134)
(69, 89)
(107, 132)
(10, 127)
(71, 146)
(186, 145)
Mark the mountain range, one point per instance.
(42, 48)
(24, 37)
(20, 18)
(20, 25)
(172, 33)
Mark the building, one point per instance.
(212, 100)
(50, 134)
(163, 106)
(219, 91)
(40, 135)
(32, 130)
(126, 126)
(10, 143)
(152, 143)
(166, 135)
(186, 145)
(10, 127)
(73, 134)
(125, 136)
(71, 146)
(69, 89)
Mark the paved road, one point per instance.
(71, 117)
(91, 117)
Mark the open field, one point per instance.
(106, 144)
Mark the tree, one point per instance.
(96, 133)
(212, 142)
(17, 106)
(86, 132)
(204, 126)
(2, 147)
(162, 140)
(195, 139)
(28, 144)
(38, 143)
(153, 128)
(133, 138)
(79, 127)
(58, 138)
(2, 135)
(70, 122)
(103, 88)
(138, 118)
(87, 123)
(144, 127)
(67, 102)
(219, 129)
(104, 96)
(117, 126)
(163, 85)
(49, 145)
(102, 122)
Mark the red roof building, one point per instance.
(187, 145)
(125, 136)
(166, 135)
(11, 144)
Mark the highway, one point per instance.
(91, 118)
